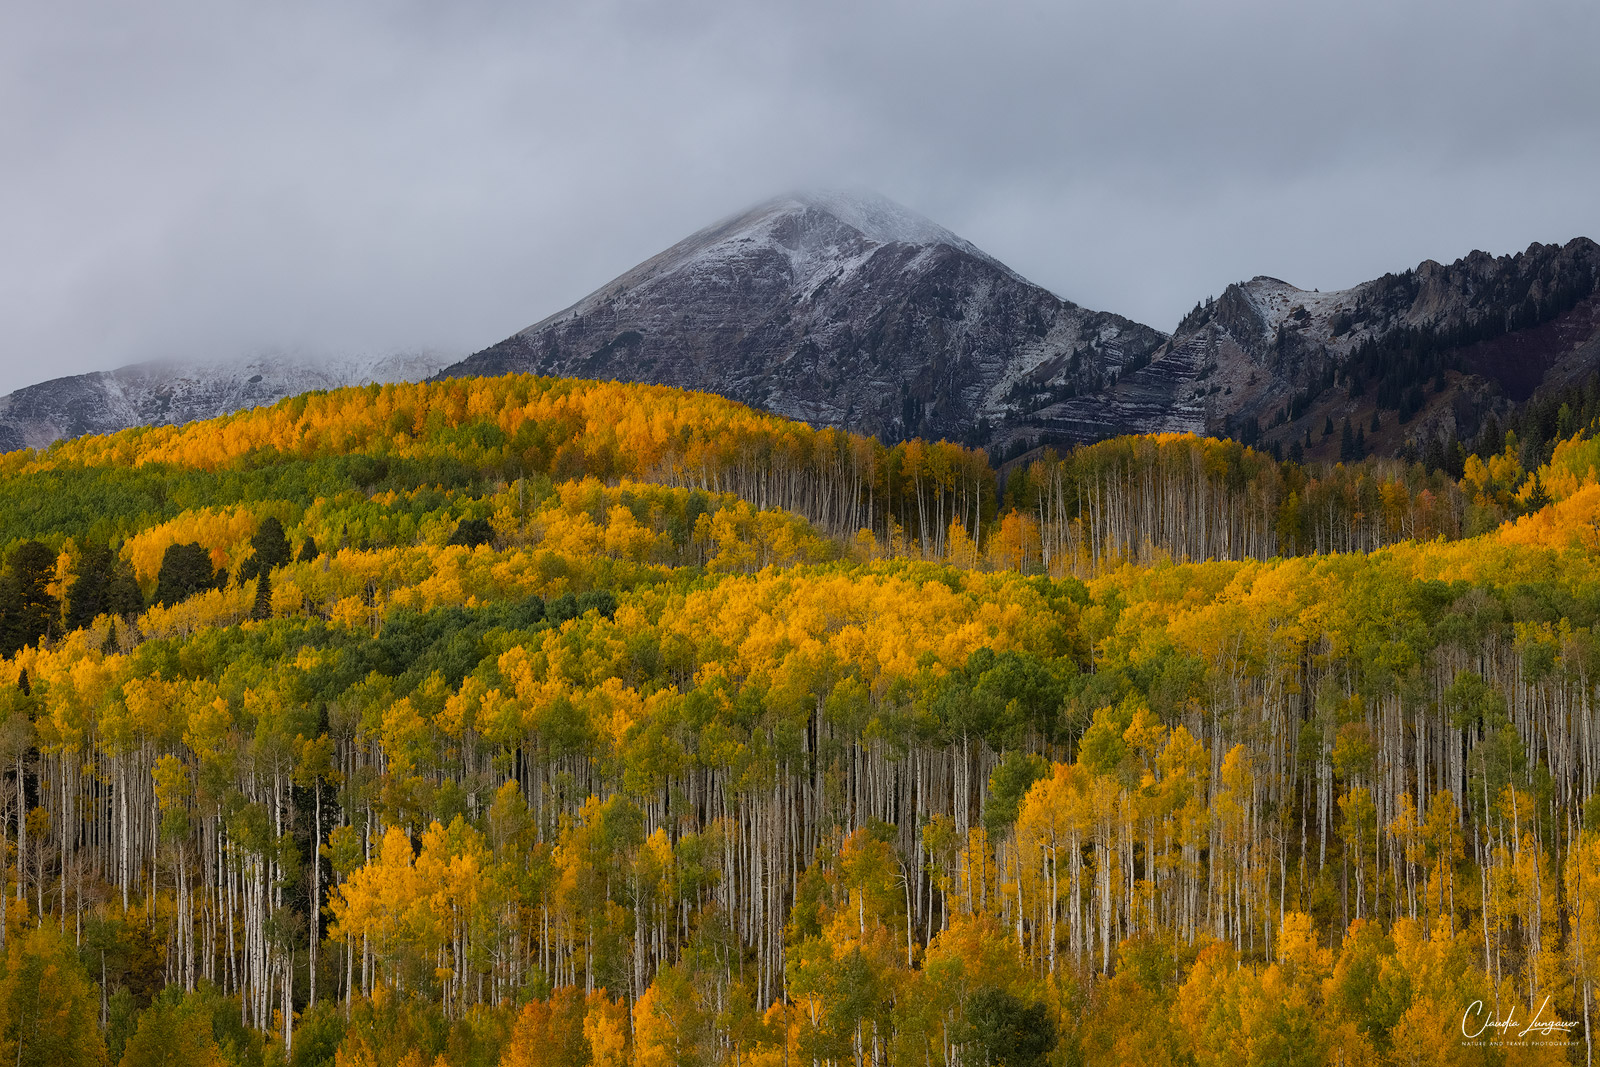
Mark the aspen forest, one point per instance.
(523, 721)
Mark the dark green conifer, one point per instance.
(103, 584)
(185, 570)
(263, 605)
(28, 612)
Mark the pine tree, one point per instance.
(1538, 496)
(269, 548)
(263, 605)
(1347, 443)
(308, 551)
(103, 585)
(1327, 427)
(28, 612)
(1002, 1029)
(472, 533)
(185, 570)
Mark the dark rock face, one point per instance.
(1432, 351)
(839, 310)
(155, 394)
(851, 311)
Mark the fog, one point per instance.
(187, 179)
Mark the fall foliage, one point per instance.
(521, 721)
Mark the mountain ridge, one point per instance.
(847, 309)
(170, 391)
(843, 309)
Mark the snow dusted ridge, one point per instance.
(840, 309)
(824, 236)
(846, 309)
(876, 218)
(165, 392)
(1276, 301)
(1453, 343)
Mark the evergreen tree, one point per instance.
(28, 612)
(269, 545)
(472, 533)
(1491, 439)
(269, 548)
(103, 584)
(1347, 443)
(1433, 457)
(185, 570)
(1538, 496)
(263, 605)
(1003, 1031)
(1327, 427)
(308, 551)
(1376, 425)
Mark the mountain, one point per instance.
(169, 392)
(1432, 352)
(839, 309)
(849, 310)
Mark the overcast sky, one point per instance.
(205, 178)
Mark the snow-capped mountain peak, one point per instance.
(839, 308)
(876, 218)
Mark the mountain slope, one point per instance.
(842, 310)
(172, 392)
(849, 310)
(1433, 351)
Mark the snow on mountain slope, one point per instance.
(1411, 359)
(849, 310)
(840, 309)
(167, 392)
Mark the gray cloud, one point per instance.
(190, 178)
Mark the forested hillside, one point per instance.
(524, 721)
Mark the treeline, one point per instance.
(429, 449)
(473, 435)
(546, 769)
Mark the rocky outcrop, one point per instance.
(1431, 351)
